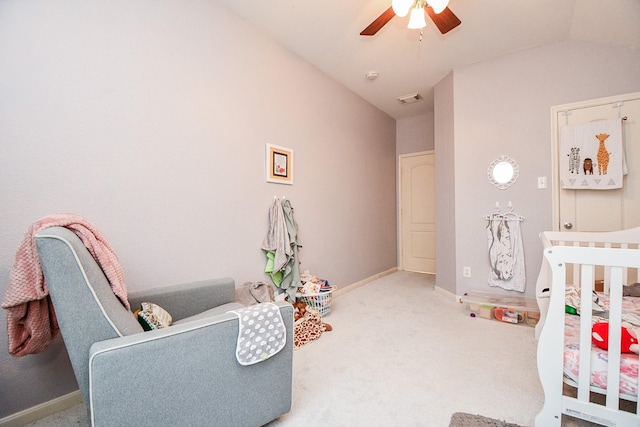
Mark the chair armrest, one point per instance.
(187, 299)
(188, 374)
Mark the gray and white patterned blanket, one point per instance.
(261, 333)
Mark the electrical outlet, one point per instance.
(466, 271)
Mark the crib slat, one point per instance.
(576, 271)
(607, 274)
(625, 270)
(638, 400)
(615, 334)
(586, 309)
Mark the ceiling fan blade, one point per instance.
(379, 22)
(445, 20)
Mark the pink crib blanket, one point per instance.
(599, 357)
(31, 320)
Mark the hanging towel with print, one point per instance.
(506, 254)
(592, 156)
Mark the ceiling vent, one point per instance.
(408, 99)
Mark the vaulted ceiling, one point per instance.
(327, 34)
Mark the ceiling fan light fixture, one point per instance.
(438, 5)
(416, 19)
(446, 20)
(401, 7)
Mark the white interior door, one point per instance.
(417, 213)
(599, 210)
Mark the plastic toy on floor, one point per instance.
(600, 337)
(509, 315)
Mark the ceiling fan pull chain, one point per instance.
(420, 34)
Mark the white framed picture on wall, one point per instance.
(279, 164)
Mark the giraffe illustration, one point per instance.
(603, 154)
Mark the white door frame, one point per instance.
(399, 205)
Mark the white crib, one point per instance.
(582, 259)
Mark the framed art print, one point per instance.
(279, 164)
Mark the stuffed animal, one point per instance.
(299, 311)
(600, 337)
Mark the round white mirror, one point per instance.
(503, 172)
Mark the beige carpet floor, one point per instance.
(402, 354)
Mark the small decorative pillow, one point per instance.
(152, 316)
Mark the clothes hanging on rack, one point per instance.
(506, 253)
(281, 247)
(276, 242)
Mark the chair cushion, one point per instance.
(221, 309)
(152, 316)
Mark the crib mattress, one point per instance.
(599, 357)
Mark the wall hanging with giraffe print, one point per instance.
(592, 156)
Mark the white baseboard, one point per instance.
(356, 285)
(42, 410)
(447, 294)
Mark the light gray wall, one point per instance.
(150, 118)
(414, 134)
(444, 117)
(502, 106)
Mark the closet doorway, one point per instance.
(598, 210)
(417, 212)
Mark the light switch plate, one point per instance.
(542, 182)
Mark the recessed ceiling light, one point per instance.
(372, 75)
(408, 99)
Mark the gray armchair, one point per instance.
(185, 374)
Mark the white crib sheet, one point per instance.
(628, 362)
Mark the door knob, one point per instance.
(567, 225)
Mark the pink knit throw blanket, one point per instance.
(31, 320)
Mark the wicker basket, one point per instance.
(320, 302)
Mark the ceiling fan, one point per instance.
(437, 10)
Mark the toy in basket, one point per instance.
(316, 294)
